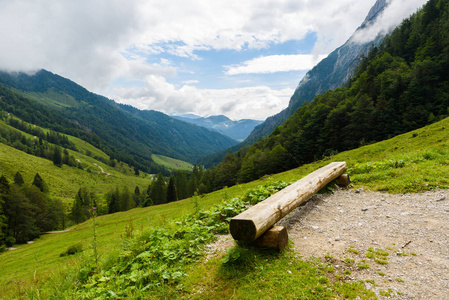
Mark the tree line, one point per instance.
(178, 186)
(42, 145)
(26, 210)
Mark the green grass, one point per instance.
(264, 274)
(64, 182)
(42, 257)
(413, 162)
(171, 163)
(50, 98)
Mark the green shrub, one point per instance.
(71, 250)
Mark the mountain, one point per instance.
(122, 131)
(237, 130)
(332, 72)
(400, 86)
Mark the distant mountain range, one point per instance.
(237, 130)
(122, 131)
(332, 72)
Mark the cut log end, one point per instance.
(243, 230)
(343, 180)
(276, 237)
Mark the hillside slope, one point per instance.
(65, 181)
(126, 133)
(330, 73)
(398, 87)
(412, 162)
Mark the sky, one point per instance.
(239, 58)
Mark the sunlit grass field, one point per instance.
(171, 163)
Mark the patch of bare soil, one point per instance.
(220, 246)
(412, 228)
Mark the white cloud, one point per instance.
(394, 14)
(251, 102)
(85, 40)
(235, 24)
(188, 82)
(276, 63)
(97, 43)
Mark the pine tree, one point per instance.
(148, 201)
(65, 157)
(137, 197)
(4, 185)
(21, 216)
(77, 214)
(4, 190)
(171, 190)
(39, 183)
(181, 185)
(126, 201)
(18, 179)
(158, 190)
(57, 156)
(113, 200)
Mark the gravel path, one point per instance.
(413, 229)
(341, 228)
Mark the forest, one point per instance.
(27, 210)
(398, 87)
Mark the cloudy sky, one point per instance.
(241, 58)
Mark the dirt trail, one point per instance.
(413, 229)
(57, 231)
(101, 169)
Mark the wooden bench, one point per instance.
(256, 223)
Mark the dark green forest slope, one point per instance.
(400, 86)
(124, 133)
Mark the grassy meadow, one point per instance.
(171, 163)
(413, 162)
(65, 181)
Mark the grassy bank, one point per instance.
(413, 162)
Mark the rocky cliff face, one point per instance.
(331, 73)
(378, 7)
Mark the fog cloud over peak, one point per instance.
(391, 17)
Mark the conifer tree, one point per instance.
(18, 179)
(77, 214)
(4, 189)
(158, 190)
(171, 190)
(57, 156)
(40, 183)
(137, 197)
(113, 200)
